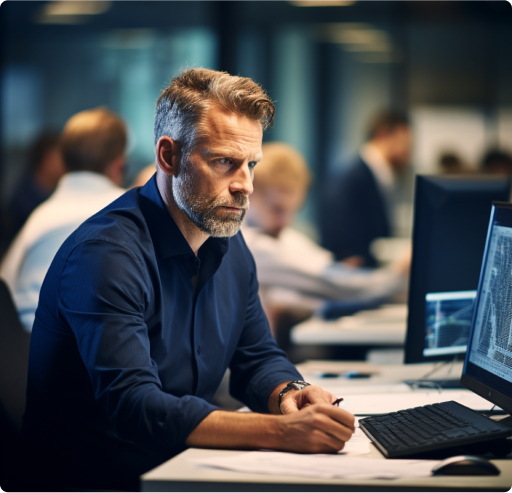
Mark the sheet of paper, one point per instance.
(367, 404)
(337, 386)
(320, 465)
(359, 444)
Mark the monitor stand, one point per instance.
(435, 383)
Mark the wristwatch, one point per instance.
(296, 384)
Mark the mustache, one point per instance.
(239, 201)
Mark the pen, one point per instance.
(337, 402)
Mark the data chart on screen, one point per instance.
(448, 319)
(491, 347)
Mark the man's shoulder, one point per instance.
(356, 168)
(350, 175)
(120, 223)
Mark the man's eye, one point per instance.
(224, 160)
(252, 164)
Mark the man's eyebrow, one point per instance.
(210, 153)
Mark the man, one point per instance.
(297, 276)
(92, 144)
(148, 303)
(358, 202)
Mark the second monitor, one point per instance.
(451, 216)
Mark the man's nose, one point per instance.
(243, 180)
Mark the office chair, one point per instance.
(14, 348)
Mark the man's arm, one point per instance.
(318, 428)
(310, 423)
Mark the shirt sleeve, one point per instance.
(104, 293)
(258, 365)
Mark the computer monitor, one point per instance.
(451, 216)
(488, 364)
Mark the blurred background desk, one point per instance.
(351, 337)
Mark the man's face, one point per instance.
(399, 147)
(274, 208)
(213, 185)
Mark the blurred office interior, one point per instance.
(328, 66)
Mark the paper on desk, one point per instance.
(359, 443)
(338, 387)
(321, 465)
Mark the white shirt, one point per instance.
(293, 262)
(78, 196)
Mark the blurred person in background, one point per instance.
(93, 144)
(451, 163)
(296, 275)
(497, 162)
(358, 203)
(45, 167)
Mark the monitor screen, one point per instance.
(488, 365)
(451, 216)
(447, 322)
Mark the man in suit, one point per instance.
(358, 201)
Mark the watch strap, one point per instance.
(294, 385)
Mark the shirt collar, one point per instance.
(379, 165)
(167, 238)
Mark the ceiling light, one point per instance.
(70, 12)
(356, 37)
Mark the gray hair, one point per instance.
(181, 108)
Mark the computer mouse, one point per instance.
(465, 465)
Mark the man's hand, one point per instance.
(317, 428)
(294, 400)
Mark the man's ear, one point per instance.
(167, 155)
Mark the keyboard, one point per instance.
(430, 428)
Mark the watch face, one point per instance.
(298, 385)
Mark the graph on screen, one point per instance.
(492, 343)
(448, 319)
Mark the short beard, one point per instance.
(204, 211)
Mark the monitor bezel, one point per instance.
(470, 381)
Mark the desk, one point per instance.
(179, 474)
(380, 374)
(385, 326)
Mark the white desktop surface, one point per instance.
(385, 326)
(180, 474)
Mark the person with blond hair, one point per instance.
(150, 301)
(92, 144)
(296, 275)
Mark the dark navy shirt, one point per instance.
(125, 353)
